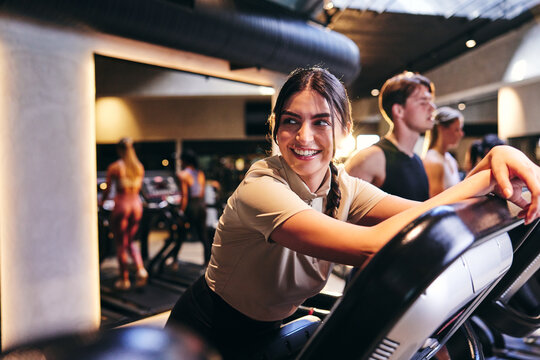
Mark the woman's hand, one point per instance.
(512, 170)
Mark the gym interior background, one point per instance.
(78, 76)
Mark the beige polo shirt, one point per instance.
(252, 273)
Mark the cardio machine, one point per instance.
(507, 322)
(415, 294)
(163, 198)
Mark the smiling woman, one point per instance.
(305, 136)
(296, 214)
(305, 131)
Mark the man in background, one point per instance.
(406, 103)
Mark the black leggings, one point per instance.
(196, 216)
(232, 333)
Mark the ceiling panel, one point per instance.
(491, 9)
(391, 42)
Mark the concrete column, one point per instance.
(49, 263)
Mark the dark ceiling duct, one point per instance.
(244, 39)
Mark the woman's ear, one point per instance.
(348, 128)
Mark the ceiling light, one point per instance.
(375, 92)
(470, 43)
(461, 106)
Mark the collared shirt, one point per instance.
(257, 276)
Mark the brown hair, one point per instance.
(331, 89)
(397, 90)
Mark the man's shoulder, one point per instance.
(367, 164)
(372, 153)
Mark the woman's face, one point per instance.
(453, 133)
(305, 138)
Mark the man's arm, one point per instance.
(369, 165)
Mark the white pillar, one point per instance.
(49, 263)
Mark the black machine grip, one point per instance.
(397, 277)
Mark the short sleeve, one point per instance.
(266, 203)
(360, 196)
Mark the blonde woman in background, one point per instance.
(441, 167)
(127, 173)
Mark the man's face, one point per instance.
(418, 110)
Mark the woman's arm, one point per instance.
(108, 181)
(315, 234)
(183, 190)
(202, 181)
(507, 165)
(389, 206)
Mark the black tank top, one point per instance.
(405, 176)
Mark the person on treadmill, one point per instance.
(295, 214)
(192, 184)
(127, 174)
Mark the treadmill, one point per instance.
(120, 307)
(135, 303)
(163, 197)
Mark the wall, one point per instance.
(49, 260)
(519, 110)
(475, 71)
(508, 62)
(169, 118)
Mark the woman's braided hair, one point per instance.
(330, 88)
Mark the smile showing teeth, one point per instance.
(305, 152)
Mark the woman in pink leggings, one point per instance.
(127, 173)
